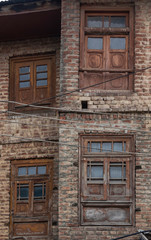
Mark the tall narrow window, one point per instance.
(31, 198)
(106, 48)
(107, 193)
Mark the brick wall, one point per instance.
(131, 116)
(139, 99)
(25, 128)
(138, 125)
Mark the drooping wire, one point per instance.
(90, 86)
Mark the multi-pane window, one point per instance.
(32, 170)
(106, 48)
(106, 146)
(31, 197)
(39, 191)
(32, 79)
(107, 180)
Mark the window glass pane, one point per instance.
(96, 172)
(106, 22)
(42, 83)
(24, 77)
(117, 43)
(42, 170)
(95, 22)
(31, 170)
(95, 147)
(124, 146)
(22, 171)
(39, 191)
(106, 146)
(41, 75)
(95, 43)
(115, 172)
(118, 22)
(24, 84)
(117, 146)
(24, 70)
(41, 68)
(22, 192)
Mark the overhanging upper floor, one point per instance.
(20, 19)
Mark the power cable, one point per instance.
(65, 120)
(88, 111)
(57, 109)
(132, 234)
(70, 92)
(71, 145)
(80, 128)
(90, 86)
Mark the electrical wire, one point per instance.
(65, 120)
(93, 85)
(67, 93)
(57, 109)
(92, 126)
(78, 128)
(70, 145)
(132, 234)
(89, 111)
(70, 92)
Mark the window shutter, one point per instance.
(24, 82)
(107, 170)
(42, 79)
(32, 79)
(106, 47)
(93, 180)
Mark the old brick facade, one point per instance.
(72, 203)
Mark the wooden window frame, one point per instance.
(33, 93)
(30, 208)
(106, 192)
(98, 66)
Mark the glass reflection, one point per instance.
(118, 22)
(95, 43)
(94, 22)
(117, 43)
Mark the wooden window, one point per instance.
(31, 194)
(106, 48)
(107, 172)
(32, 79)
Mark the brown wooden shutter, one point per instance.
(101, 64)
(31, 217)
(32, 79)
(42, 85)
(107, 196)
(23, 94)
